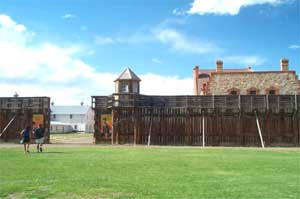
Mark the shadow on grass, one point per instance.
(51, 152)
(54, 152)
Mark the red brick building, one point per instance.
(245, 81)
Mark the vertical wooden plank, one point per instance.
(267, 129)
(203, 129)
(112, 128)
(135, 126)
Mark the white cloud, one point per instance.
(294, 46)
(47, 69)
(162, 33)
(69, 16)
(157, 61)
(180, 42)
(153, 84)
(136, 38)
(178, 12)
(250, 60)
(226, 7)
(99, 40)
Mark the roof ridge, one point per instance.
(128, 74)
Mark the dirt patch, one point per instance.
(72, 138)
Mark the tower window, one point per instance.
(233, 93)
(135, 87)
(124, 88)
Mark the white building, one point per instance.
(72, 118)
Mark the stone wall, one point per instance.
(285, 83)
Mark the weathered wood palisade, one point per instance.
(22, 112)
(227, 120)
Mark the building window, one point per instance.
(75, 127)
(203, 75)
(272, 91)
(135, 87)
(54, 116)
(252, 91)
(204, 89)
(71, 116)
(234, 91)
(124, 87)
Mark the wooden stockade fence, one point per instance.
(18, 112)
(228, 120)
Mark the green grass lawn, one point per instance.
(158, 172)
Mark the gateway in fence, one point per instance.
(72, 119)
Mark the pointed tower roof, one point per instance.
(128, 74)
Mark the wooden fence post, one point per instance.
(135, 126)
(112, 127)
(259, 131)
(6, 127)
(150, 129)
(203, 130)
(296, 106)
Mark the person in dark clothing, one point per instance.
(39, 138)
(25, 133)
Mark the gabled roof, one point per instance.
(67, 110)
(128, 74)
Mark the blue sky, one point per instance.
(80, 46)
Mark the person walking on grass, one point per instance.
(39, 138)
(25, 133)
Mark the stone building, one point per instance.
(245, 81)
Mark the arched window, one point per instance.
(204, 89)
(272, 91)
(252, 91)
(234, 91)
(203, 75)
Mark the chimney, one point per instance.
(195, 75)
(284, 64)
(219, 65)
(16, 94)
